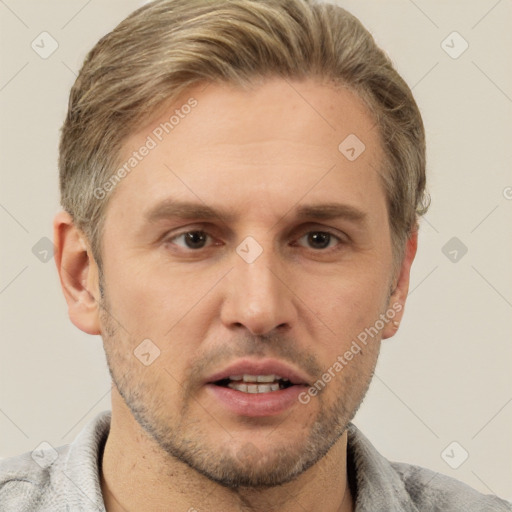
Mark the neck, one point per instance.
(138, 476)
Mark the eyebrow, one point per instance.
(173, 209)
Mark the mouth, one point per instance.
(255, 383)
(258, 376)
(256, 388)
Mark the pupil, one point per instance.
(195, 239)
(323, 238)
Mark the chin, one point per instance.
(237, 472)
(258, 464)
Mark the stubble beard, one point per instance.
(241, 465)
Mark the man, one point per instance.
(241, 183)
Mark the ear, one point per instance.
(401, 286)
(78, 274)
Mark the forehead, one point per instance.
(259, 149)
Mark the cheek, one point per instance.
(350, 303)
(143, 367)
(150, 301)
(169, 311)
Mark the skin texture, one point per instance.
(256, 154)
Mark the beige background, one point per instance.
(445, 377)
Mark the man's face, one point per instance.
(285, 302)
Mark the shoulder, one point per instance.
(384, 485)
(26, 479)
(431, 491)
(57, 479)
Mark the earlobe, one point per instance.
(78, 274)
(399, 295)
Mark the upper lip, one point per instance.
(260, 367)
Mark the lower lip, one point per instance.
(256, 405)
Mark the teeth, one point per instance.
(254, 388)
(266, 378)
(238, 387)
(256, 383)
(258, 378)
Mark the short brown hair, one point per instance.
(167, 46)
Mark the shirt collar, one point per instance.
(82, 465)
(378, 486)
(375, 484)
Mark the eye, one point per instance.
(320, 239)
(191, 239)
(196, 240)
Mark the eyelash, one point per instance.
(323, 231)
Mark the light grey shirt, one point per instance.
(67, 479)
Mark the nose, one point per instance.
(258, 296)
